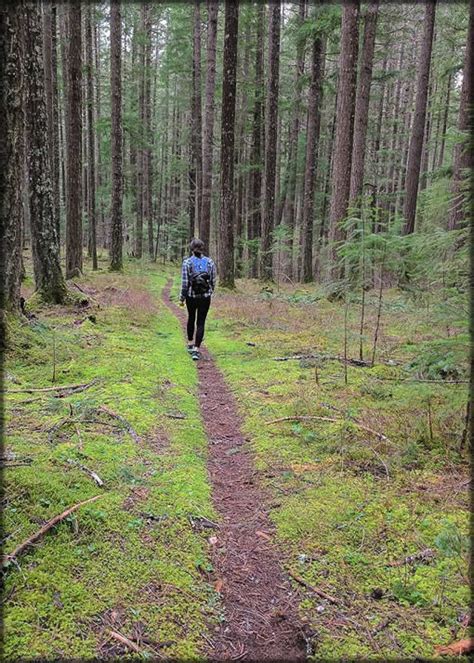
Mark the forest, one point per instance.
(302, 491)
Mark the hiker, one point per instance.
(198, 282)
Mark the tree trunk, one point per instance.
(226, 234)
(205, 217)
(288, 199)
(418, 129)
(12, 150)
(116, 134)
(91, 211)
(44, 240)
(255, 219)
(48, 84)
(197, 114)
(56, 119)
(147, 164)
(271, 140)
(362, 104)
(463, 153)
(341, 175)
(440, 159)
(74, 143)
(312, 145)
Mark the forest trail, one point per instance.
(261, 621)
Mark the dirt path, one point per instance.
(261, 620)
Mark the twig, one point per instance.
(332, 420)
(73, 388)
(125, 641)
(47, 526)
(128, 427)
(85, 469)
(317, 591)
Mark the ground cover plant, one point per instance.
(370, 497)
(134, 562)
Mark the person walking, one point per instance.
(198, 282)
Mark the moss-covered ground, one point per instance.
(349, 507)
(135, 561)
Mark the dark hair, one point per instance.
(197, 246)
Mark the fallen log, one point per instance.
(332, 420)
(46, 527)
(344, 360)
(315, 590)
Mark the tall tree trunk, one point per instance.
(271, 140)
(362, 104)
(197, 114)
(140, 153)
(116, 134)
(463, 154)
(44, 240)
(288, 199)
(56, 118)
(48, 83)
(341, 174)
(226, 234)
(98, 99)
(440, 159)
(91, 211)
(147, 165)
(255, 219)
(312, 145)
(418, 129)
(205, 217)
(74, 143)
(12, 150)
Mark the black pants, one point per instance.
(201, 306)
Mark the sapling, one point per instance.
(379, 307)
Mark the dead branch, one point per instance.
(457, 648)
(344, 360)
(317, 591)
(46, 527)
(128, 427)
(422, 556)
(72, 388)
(85, 469)
(54, 429)
(331, 420)
(125, 641)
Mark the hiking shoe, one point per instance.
(195, 354)
(190, 348)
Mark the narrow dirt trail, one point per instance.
(260, 606)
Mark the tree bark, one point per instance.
(255, 218)
(271, 140)
(56, 119)
(91, 211)
(362, 104)
(74, 143)
(205, 217)
(312, 145)
(418, 128)
(463, 153)
(116, 239)
(227, 216)
(44, 240)
(197, 114)
(12, 150)
(341, 173)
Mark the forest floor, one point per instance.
(357, 521)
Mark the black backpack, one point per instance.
(200, 277)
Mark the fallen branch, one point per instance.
(331, 420)
(457, 648)
(85, 469)
(317, 591)
(56, 427)
(128, 427)
(72, 388)
(422, 556)
(125, 641)
(344, 360)
(46, 527)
